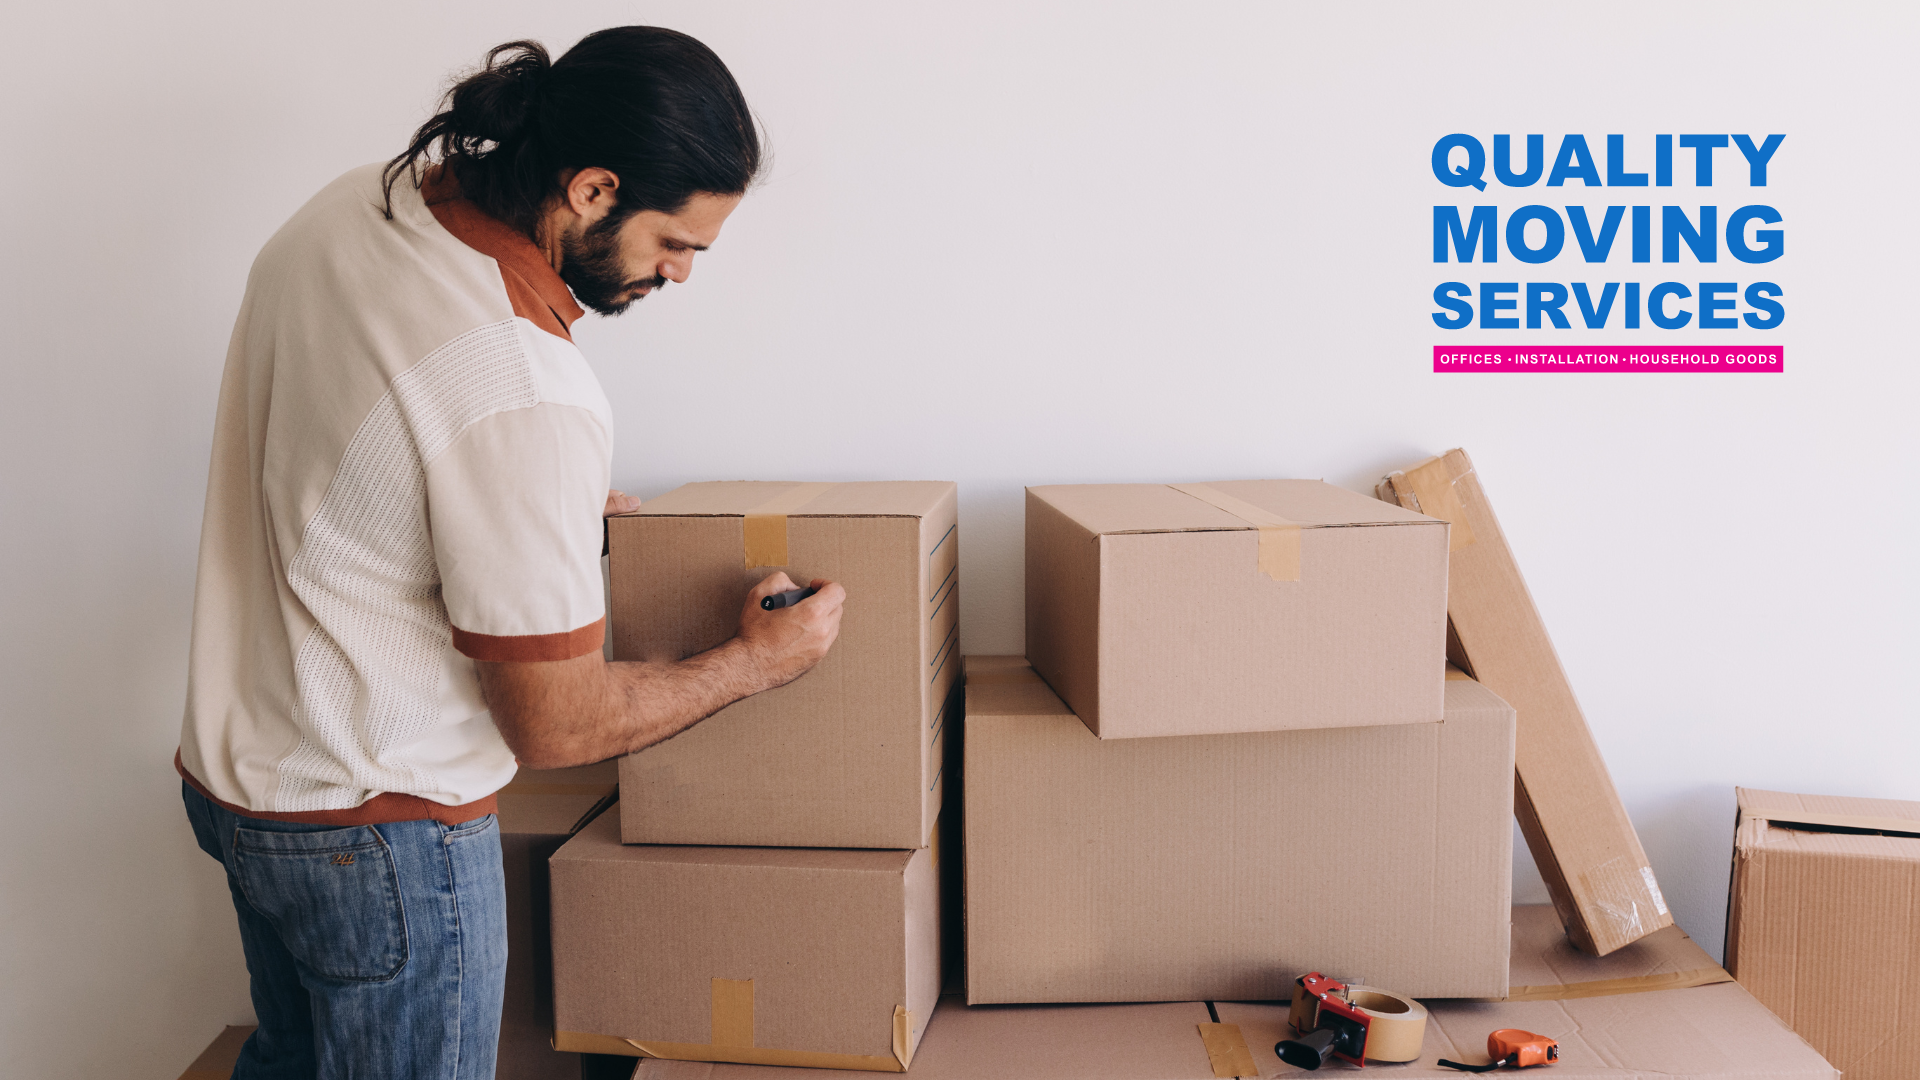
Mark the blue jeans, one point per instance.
(377, 952)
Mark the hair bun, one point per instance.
(496, 103)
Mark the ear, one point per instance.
(590, 193)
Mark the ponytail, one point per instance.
(655, 107)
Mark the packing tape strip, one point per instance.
(764, 540)
(1638, 984)
(1433, 486)
(733, 1012)
(1227, 1051)
(1279, 537)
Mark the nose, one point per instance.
(677, 270)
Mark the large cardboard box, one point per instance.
(539, 811)
(1634, 1031)
(1251, 605)
(1823, 924)
(1630, 1028)
(785, 956)
(1224, 866)
(847, 755)
(1570, 814)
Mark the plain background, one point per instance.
(1003, 244)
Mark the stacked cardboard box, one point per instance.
(1258, 768)
(1823, 924)
(538, 812)
(769, 892)
(1224, 866)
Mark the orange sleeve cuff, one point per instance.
(523, 648)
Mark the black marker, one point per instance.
(787, 599)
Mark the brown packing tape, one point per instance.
(733, 1012)
(1432, 484)
(1397, 1024)
(764, 540)
(1279, 556)
(1227, 1051)
(1638, 984)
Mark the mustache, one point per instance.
(652, 284)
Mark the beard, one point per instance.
(590, 265)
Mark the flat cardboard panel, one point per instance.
(833, 941)
(538, 811)
(1225, 865)
(848, 755)
(1021, 1042)
(1824, 924)
(1569, 812)
(1148, 611)
(1701, 1033)
(1546, 966)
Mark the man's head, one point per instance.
(622, 158)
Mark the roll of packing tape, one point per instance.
(1396, 1024)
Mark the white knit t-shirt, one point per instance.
(410, 463)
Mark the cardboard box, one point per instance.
(1579, 833)
(1823, 924)
(539, 811)
(1224, 866)
(1715, 1031)
(1251, 605)
(782, 956)
(847, 755)
(1023, 1042)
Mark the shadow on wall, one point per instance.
(1688, 836)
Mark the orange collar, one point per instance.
(537, 293)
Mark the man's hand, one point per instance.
(619, 502)
(555, 714)
(791, 640)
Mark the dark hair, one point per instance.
(654, 107)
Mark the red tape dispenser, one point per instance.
(1513, 1048)
(1354, 1023)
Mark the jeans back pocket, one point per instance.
(333, 895)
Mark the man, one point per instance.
(399, 587)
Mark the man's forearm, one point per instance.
(598, 710)
(560, 713)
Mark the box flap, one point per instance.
(1829, 812)
(859, 498)
(1546, 967)
(1008, 686)
(1113, 509)
(600, 842)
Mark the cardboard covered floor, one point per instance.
(1693, 1024)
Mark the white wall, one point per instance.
(1003, 244)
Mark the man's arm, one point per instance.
(555, 714)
